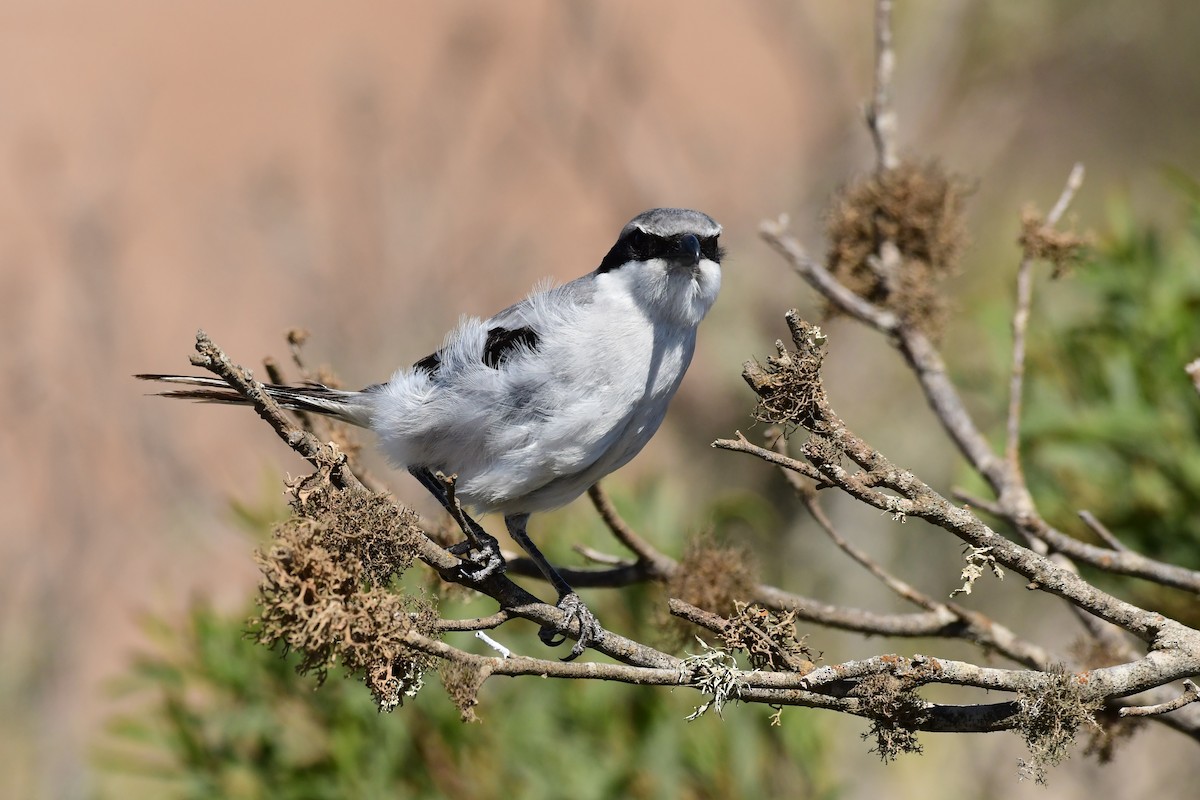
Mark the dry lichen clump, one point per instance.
(895, 711)
(360, 525)
(788, 386)
(918, 208)
(709, 576)
(768, 638)
(1048, 721)
(712, 576)
(462, 682)
(1063, 249)
(324, 590)
(791, 393)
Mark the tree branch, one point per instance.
(1020, 324)
(1097, 527)
(1190, 695)
(881, 116)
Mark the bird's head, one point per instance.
(670, 259)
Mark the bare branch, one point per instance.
(1190, 695)
(774, 688)
(598, 557)
(881, 116)
(697, 616)
(774, 233)
(1100, 529)
(516, 665)
(909, 496)
(901, 588)
(1015, 501)
(808, 497)
(1020, 324)
(975, 502)
(943, 397)
(275, 373)
(623, 574)
(320, 455)
(656, 564)
(1124, 562)
(477, 624)
(743, 445)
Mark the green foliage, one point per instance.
(218, 716)
(1112, 421)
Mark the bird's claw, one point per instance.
(487, 560)
(574, 611)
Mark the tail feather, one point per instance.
(351, 407)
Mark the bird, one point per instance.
(530, 408)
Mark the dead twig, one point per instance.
(1020, 325)
(1190, 694)
(656, 563)
(881, 116)
(1100, 529)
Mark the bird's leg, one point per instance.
(489, 561)
(568, 601)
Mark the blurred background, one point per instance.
(373, 171)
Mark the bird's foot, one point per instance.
(487, 560)
(574, 611)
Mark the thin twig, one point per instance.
(523, 665)
(697, 616)
(943, 397)
(598, 557)
(901, 588)
(1020, 325)
(334, 430)
(972, 625)
(625, 574)
(659, 565)
(296, 338)
(774, 233)
(275, 373)
(475, 624)
(1100, 529)
(1190, 694)
(453, 507)
(978, 503)
(1122, 562)
(808, 497)
(914, 498)
(948, 620)
(881, 116)
(320, 455)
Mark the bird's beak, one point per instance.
(689, 249)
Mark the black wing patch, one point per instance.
(429, 363)
(502, 341)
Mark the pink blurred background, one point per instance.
(370, 171)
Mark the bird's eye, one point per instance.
(710, 249)
(638, 242)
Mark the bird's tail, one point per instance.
(352, 407)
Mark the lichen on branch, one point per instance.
(325, 590)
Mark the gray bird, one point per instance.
(530, 408)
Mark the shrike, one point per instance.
(532, 407)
